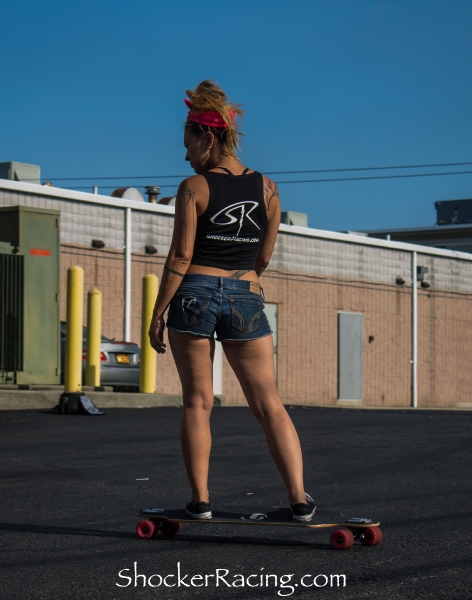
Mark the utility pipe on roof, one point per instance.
(128, 242)
(414, 330)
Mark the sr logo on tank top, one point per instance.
(226, 216)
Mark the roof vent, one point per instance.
(153, 192)
(130, 193)
(168, 200)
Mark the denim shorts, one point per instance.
(231, 308)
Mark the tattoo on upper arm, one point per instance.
(174, 272)
(185, 198)
(270, 192)
(239, 274)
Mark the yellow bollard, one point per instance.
(74, 324)
(147, 375)
(94, 336)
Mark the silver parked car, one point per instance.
(119, 362)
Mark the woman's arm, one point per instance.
(272, 206)
(178, 259)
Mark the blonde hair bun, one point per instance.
(209, 96)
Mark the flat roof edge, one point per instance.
(367, 241)
(433, 229)
(63, 194)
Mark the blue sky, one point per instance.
(91, 89)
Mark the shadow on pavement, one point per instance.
(216, 539)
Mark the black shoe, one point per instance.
(304, 512)
(198, 510)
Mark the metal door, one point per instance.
(350, 355)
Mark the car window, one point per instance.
(84, 333)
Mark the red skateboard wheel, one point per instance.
(170, 528)
(371, 536)
(341, 539)
(146, 529)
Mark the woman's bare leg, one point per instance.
(193, 357)
(253, 364)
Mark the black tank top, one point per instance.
(230, 231)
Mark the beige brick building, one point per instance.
(314, 281)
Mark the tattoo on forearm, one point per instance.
(239, 274)
(185, 197)
(270, 192)
(174, 272)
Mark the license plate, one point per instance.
(122, 359)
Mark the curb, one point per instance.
(47, 399)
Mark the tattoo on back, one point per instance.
(270, 192)
(239, 274)
(174, 272)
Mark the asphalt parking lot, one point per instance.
(71, 486)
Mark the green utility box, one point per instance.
(29, 295)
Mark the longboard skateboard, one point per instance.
(169, 523)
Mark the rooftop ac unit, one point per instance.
(20, 172)
(294, 218)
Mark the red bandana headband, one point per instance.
(211, 118)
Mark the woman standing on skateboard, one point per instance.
(226, 222)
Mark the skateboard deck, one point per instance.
(168, 521)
